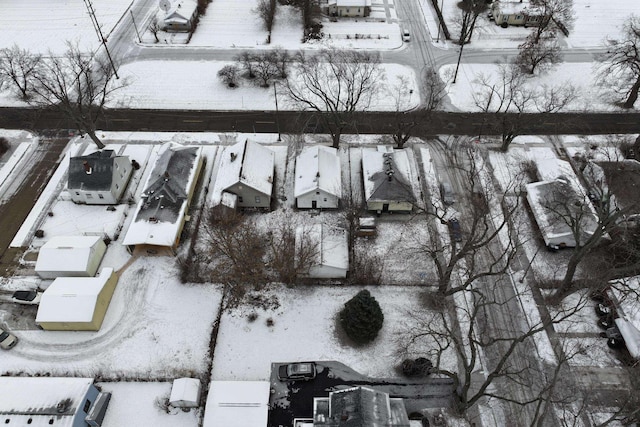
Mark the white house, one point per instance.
(387, 180)
(318, 179)
(161, 212)
(77, 303)
(247, 170)
(237, 404)
(554, 204)
(329, 248)
(99, 178)
(44, 401)
(78, 256)
(180, 15)
(349, 8)
(517, 12)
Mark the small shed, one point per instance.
(70, 256)
(77, 303)
(185, 393)
(329, 249)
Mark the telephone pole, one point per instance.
(96, 26)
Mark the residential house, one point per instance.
(349, 8)
(523, 13)
(75, 256)
(318, 179)
(237, 404)
(247, 169)
(44, 401)
(387, 180)
(162, 210)
(359, 407)
(76, 303)
(180, 16)
(326, 250)
(99, 178)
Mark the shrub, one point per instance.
(4, 145)
(361, 318)
(419, 367)
(229, 75)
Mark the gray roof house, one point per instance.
(359, 407)
(162, 210)
(181, 16)
(99, 178)
(43, 401)
(247, 169)
(387, 180)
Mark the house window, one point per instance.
(518, 17)
(77, 193)
(325, 199)
(117, 187)
(239, 199)
(117, 166)
(100, 196)
(89, 196)
(257, 199)
(317, 192)
(87, 405)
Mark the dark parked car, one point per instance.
(297, 371)
(454, 230)
(26, 297)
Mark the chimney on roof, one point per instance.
(87, 167)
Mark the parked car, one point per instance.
(7, 340)
(406, 37)
(26, 297)
(447, 194)
(297, 371)
(454, 230)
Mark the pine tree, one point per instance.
(362, 317)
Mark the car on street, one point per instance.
(26, 297)
(447, 194)
(454, 230)
(297, 371)
(7, 340)
(406, 37)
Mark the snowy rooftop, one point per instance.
(159, 214)
(237, 404)
(248, 163)
(66, 253)
(318, 168)
(386, 176)
(332, 245)
(36, 398)
(553, 168)
(72, 299)
(181, 11)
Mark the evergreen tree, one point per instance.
(362, 317)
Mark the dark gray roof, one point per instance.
(360, 407)
(93, 172)
(167, 186)
(389, 184)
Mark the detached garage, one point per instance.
(70, 256)
(77, 303)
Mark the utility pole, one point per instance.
(96, 26)
(275, 94)
(135, 26)
(455, 75)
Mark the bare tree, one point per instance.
(508, 92)
(266, 67)
(620, 66)
(407, 119)
(535, 55)
(266, 10)
(335, 84)
(229, 75)
(247, 62)
(155, 27)
(491, 355)
(554, 14)
(282, 60)
(77, 85)
(19, 66)
(479, 253)
(466, 21)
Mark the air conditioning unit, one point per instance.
(96, 413)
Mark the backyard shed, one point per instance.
(328, 248)
(185, 393)
(77, 303)
(70, 256)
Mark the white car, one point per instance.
(7, 340)
(406, 37)
(26, 297)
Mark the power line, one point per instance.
(96, 26)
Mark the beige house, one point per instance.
(349, 8)
(521, 13)
(77, 303)
(181, 15)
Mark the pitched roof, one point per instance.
(181, 11)
(72, 299)
(163, 202)
(93, 172)
(248, 163)
(318, 168)
(387, 176)
(332, 247)
(360, 407)
(36, 398)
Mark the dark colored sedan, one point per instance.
(297, 371)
